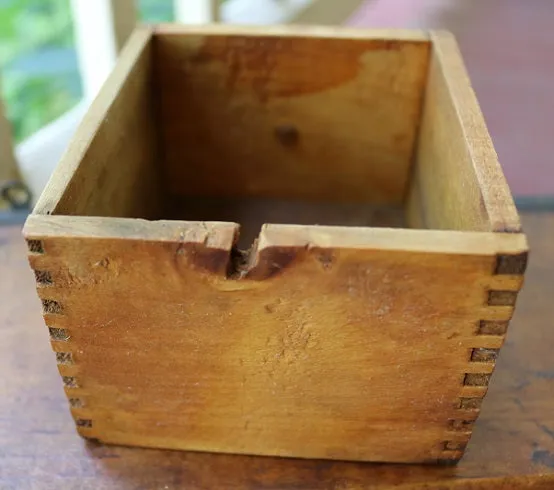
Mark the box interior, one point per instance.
(288, 130)
(279, 129)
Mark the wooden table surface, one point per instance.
(512, 446)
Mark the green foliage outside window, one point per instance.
(38, 65)
(40, 79)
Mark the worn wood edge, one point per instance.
(393, 239)
(213, 234)
(87, 129)
(207, 246)
(499, 292)
(336, 32)
(278, 235)
(497, 197)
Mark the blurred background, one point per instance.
(55, 55)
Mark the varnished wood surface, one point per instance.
(512, 446)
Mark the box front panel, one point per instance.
(339, 353)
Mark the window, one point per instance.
(40, 74)
(156, 10)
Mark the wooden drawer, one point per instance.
(280, 241)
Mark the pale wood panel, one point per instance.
(336, 343)
(291, 112)
(457, 182)
(111, 167)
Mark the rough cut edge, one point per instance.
(497, 197)
(85, 133)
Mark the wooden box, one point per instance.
(361, 323)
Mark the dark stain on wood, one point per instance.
(268, 66)
(212, 260)
(272, 261)
(287, 135)
(512, 264)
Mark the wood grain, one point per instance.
(197, 359)
(110, 167)
(251, 113)
(457, 181)
(352, 343)
(512, 446)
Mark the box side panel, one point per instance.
(291, 116)
(457, 182)
(361, 353)
(111, 167)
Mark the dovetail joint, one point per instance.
(470, 403)
(484, 355)
(70, 382)
(454, 445)
(506, 264)
(35, 246)
(502, 298)
(492, 328)
(511, 264)
(76, 403)
(64, 358)
(51, 307)
(58, 334)
(43, 278)
(477, 379)
(460, 425)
